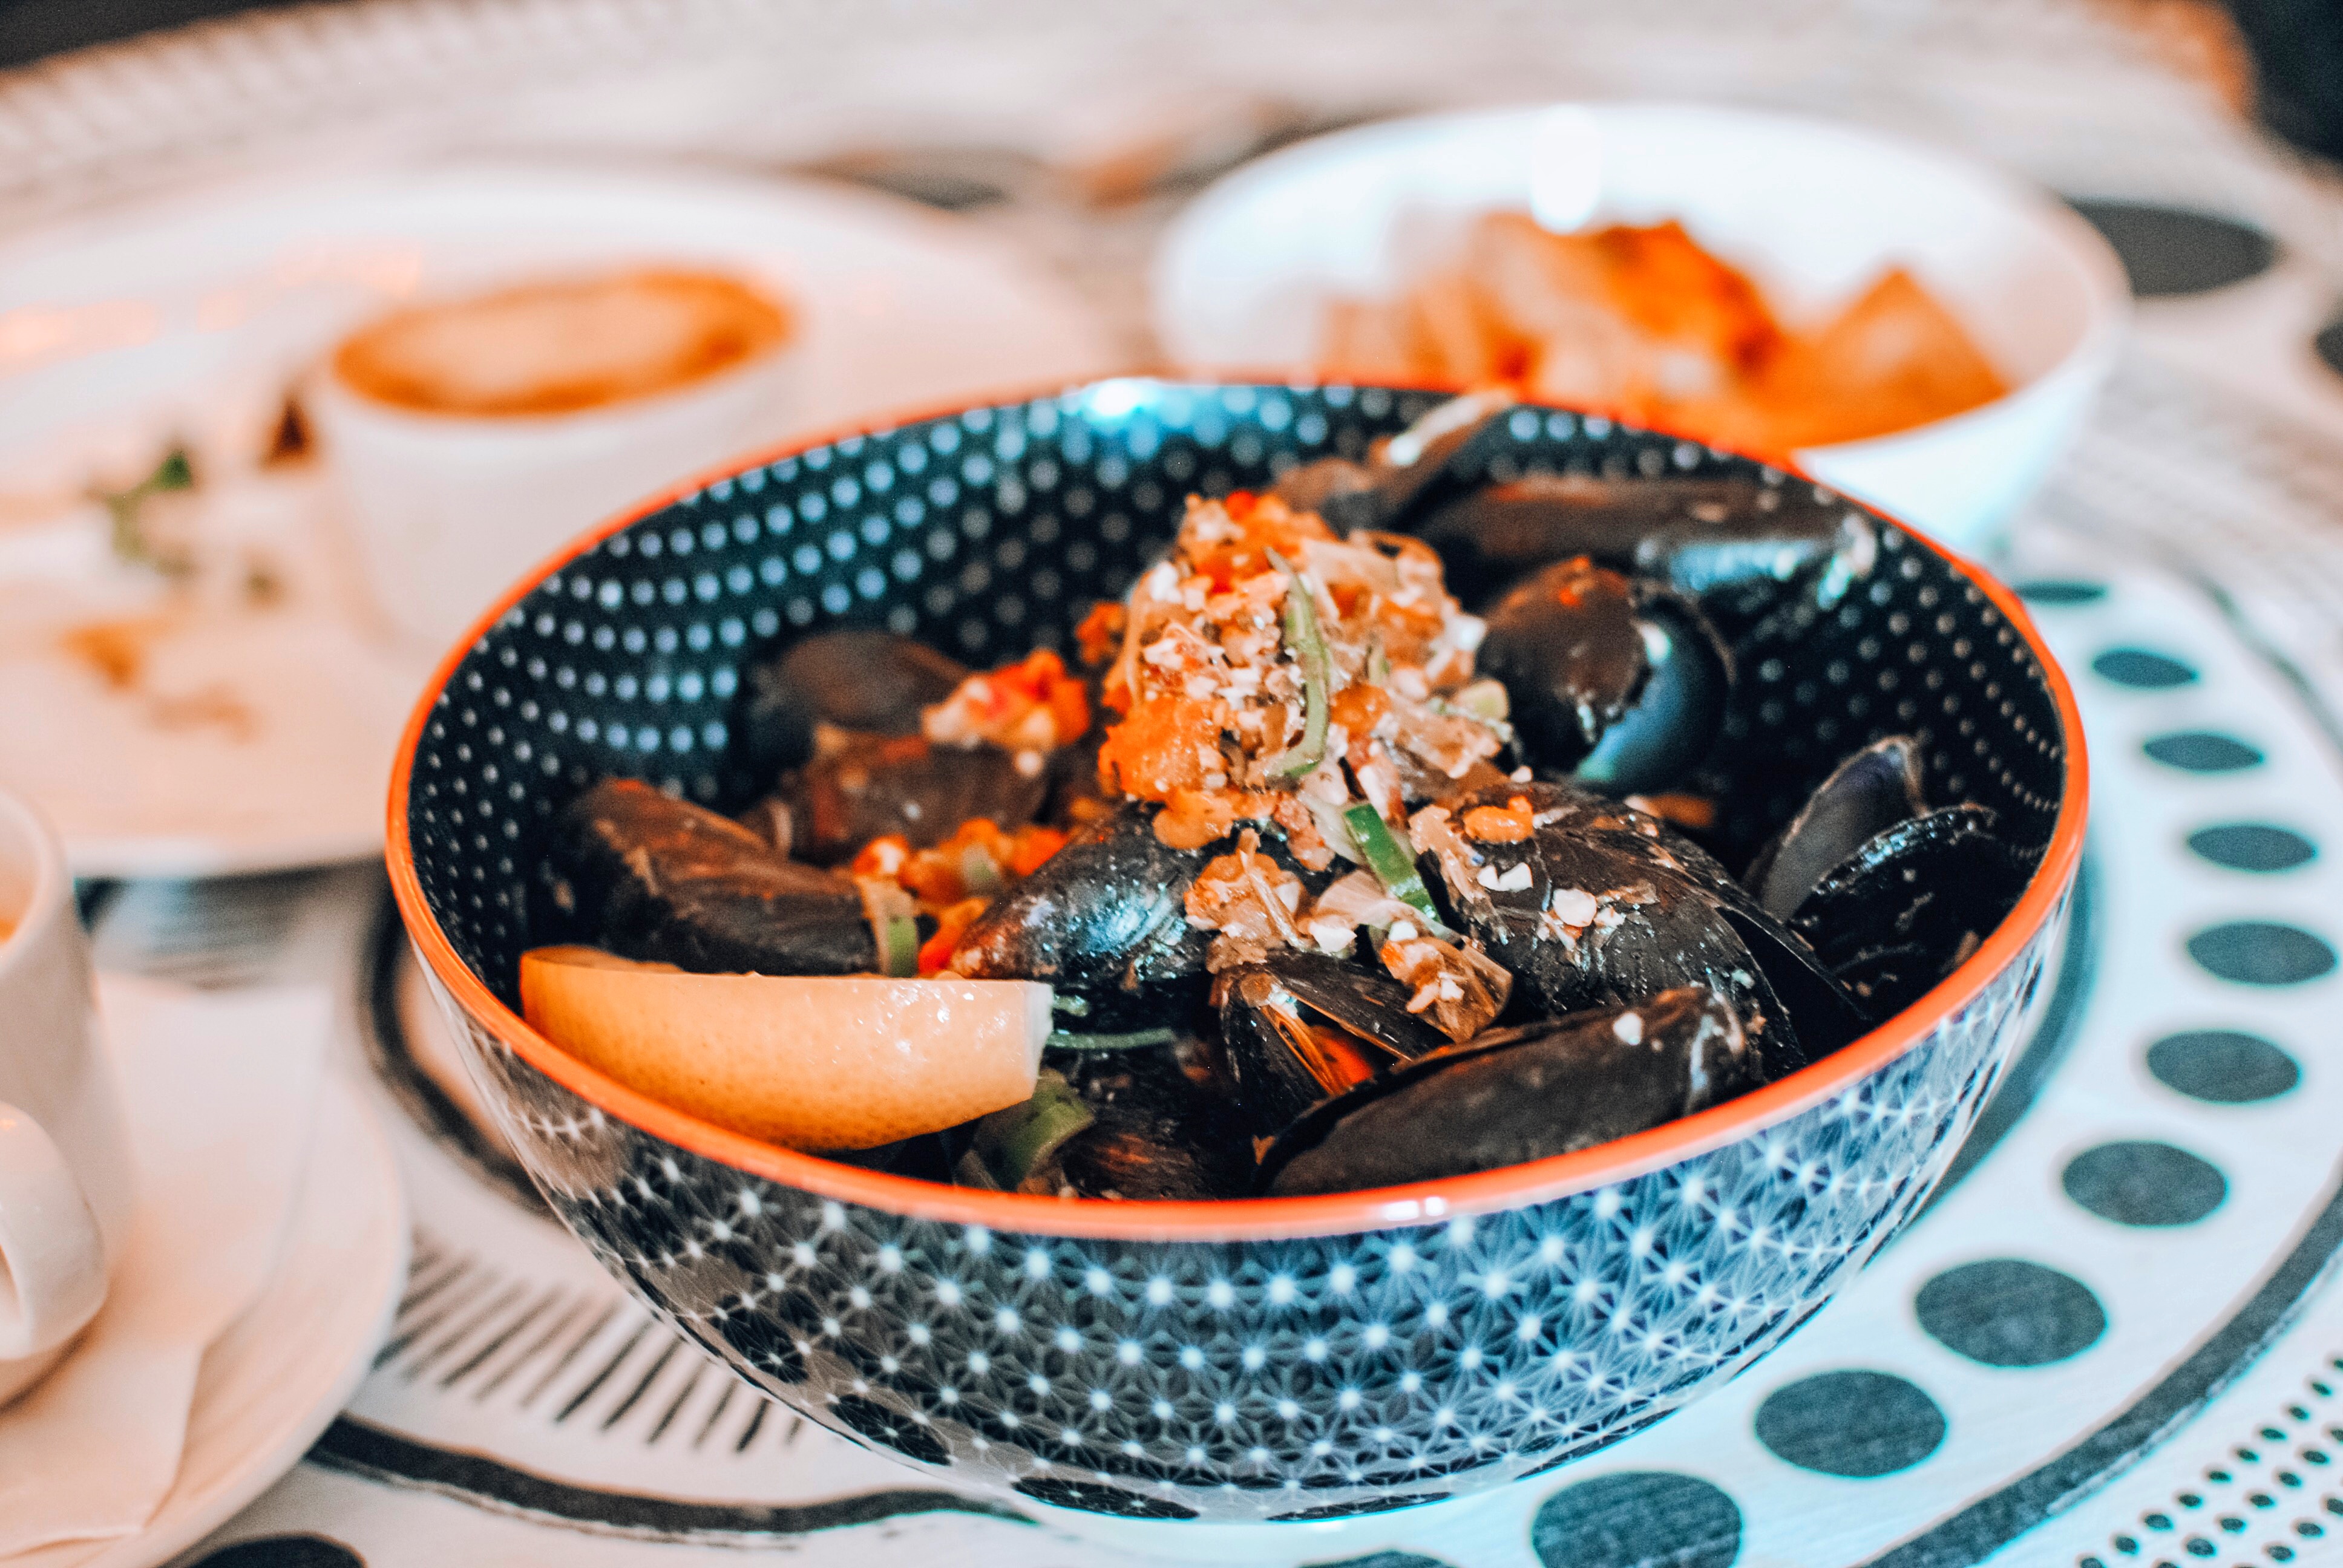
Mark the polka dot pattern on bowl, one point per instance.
(993, 532)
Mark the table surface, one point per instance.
(523, 1408)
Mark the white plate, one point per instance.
(191, 316)
(1813, 210)
(289, 1364)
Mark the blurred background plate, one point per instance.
(253, 729)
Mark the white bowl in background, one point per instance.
(1811, 210)
(445, 508)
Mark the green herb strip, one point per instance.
(1016, 1143)
(894, 925)
(1308, 647)
(1390, 864)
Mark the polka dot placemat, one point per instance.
(2167, 251)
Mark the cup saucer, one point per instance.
(282, 1371)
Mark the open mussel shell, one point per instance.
(873, 682)
(650, 877)
(1864, 796)
(870, 785)
(1617, 681)
(1549, 1088)
(1736, 546)
(1405, 477)
(1104, 920)
(1298, 1028)
(1603, 906)
(1913, 902)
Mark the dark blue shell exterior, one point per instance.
(1302, 1379)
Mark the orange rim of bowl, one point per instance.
(1234, 1218)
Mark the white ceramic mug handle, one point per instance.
(52, 1257)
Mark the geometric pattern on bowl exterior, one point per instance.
(1239, 1381)
(1265, 1380)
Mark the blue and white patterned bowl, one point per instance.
(1268, 1360)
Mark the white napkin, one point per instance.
(219, 1090)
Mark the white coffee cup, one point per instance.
(66, 1177)
(446, 510)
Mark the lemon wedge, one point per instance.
(811, 1063)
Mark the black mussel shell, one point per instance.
(1675, 718)
(926, 1157)
(648, 876)
(1300, 1028)
(1864, 796)
(1904, 911)
(1549, 1088)
(1342, 493)
(1603, 906)
(1417, 469)
(872, 785)
(1445, 449)
(874, 682)
(1614, 680)
(1735, 546)
(1162, 1134)
(1075, 789)
(1105, 921)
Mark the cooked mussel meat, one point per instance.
(1736, 546)
(858, 679)
(1298, 1028)
(1552, 1087)
(867, 785)
(650, 877)
(1913, 902)
(1613, 680)
(1592, 904)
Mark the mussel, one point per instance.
(1404, 477)
(1160, 1131)
(1736, 546)
(1298, 1028)
(650, 877)
(1342, 492)
(1104, 922)
(1513, 1095)
(867, 681)
(1891, 895)
(1912, 904)
(867, 785)
(1614, 680)
(1590, 904)
(1864, 796)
